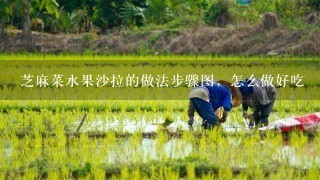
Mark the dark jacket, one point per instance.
(261, 95)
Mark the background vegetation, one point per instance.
(75, 16)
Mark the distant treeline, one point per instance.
(75, 16)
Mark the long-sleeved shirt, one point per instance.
(219, 96)
(261, 95)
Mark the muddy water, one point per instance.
(148, 150)
(126, 151)
(129, 126)
(179, 148)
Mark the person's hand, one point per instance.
(245, 114)
(224, 117)
(251, 120)
(190, 122)
(250, 116)
(251, 123)
(222, 120)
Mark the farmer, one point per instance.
(260, 98)
(207, 97)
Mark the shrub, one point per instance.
(244, 13)
(218, 14)
(88, 39)
(291, 8)
(314, 4)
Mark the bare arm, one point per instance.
(191, 111)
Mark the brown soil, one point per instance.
(236, 40)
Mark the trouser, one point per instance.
(261, 114)
(206, 112)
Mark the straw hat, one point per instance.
(235, 92)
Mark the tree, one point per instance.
(26, 27)
(132, 14)
(49, 6)
(314, 4)
(107, 14)
(158, 11)
(3, 17)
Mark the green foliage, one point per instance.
(115, 108)
(73, 5)
(82, 171)
(74, 16)
(217, 13)
(197, 6)
(4, 17)
(263, 6)
(158, 11)
(168, 119)
(132, 14)
(50, 6)
(154, 38)
(65, 21)
(42, 164)
(145, 49)
(314, 4)
(146, 108)
(187, 7)
(177, 6)
(106, 14)
(4, 10)
(289, 8)
(247, 14)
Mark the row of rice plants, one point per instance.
(84, 157)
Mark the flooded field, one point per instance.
(125, 134)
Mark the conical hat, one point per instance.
(235, 92)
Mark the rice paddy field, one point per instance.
(122, 135)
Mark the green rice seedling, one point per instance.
(283, 172)
(219, 146)
(146, 108)
(313, 173)
(189, 137)
(52, 174)
(130, 108)
(179, 106)
(168, 173)
(65, 173)
(190, 171)
(256, 172)
(3, 174)
(97, 173)
(33, 133)
(162, 138)
(135, 146)
(168, 119)
(125, 173)
(202, 151)
(208, 176)
(115, 108)
(136, 174)
(31, 174)
(225, 173)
